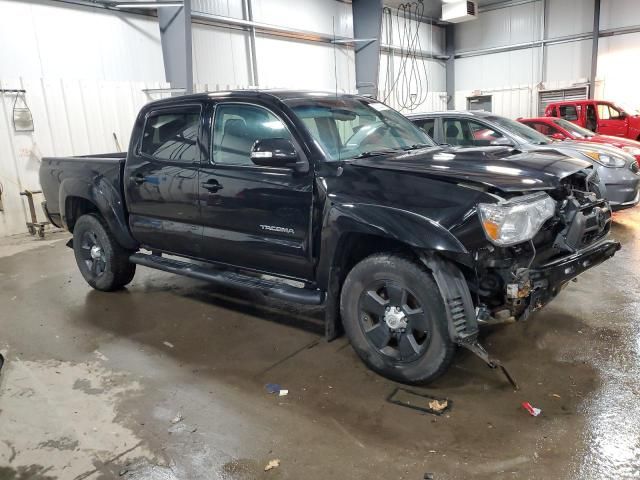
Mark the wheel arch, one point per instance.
(77, 198)
(352, 232)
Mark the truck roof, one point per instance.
(578, 102)
(280, 94)
(458, 113)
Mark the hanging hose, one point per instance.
(409, 87)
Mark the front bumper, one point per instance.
(622, 187)
(616, 207)
(549, 278)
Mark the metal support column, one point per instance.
(175, 35)
(247, 11)
(450, 72)
(594, 48)
(367, 23)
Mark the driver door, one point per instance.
(253, 216)
(611, 121)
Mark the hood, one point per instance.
(494, 167)
(617, 141)
(576, 148)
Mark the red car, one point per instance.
(605, 118)
(561, 129)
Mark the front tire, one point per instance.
(102, 261)
(395, 319)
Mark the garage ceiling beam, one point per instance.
(175, 36)
(594, 48)
(268, 29)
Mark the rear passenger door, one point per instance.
(161, 181)
(254, 216)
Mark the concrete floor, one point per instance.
(166, 380)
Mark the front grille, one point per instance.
(585, 220)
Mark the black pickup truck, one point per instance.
(335, 200)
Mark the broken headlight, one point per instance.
(517, 220)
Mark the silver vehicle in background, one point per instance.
(618, 170)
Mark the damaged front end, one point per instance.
(512, 281)
(535, 244)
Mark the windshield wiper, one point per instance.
(375, 153)
(417, 146)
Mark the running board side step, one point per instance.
(270, 288)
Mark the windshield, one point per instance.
(516, 128)
(347, 128)
(573, 129)
(627, 108)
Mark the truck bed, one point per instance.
(87, 174)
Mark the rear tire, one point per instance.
(102, 261)
(395, 319)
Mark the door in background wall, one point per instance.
(480, 102)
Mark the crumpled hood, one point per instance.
(494, 167)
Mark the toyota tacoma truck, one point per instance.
(340, 201)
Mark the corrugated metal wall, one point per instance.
(317, 16)
(431, 39)
(514, 78)
(57, 40)
(619, 56)
(107, 58)
(220, 55)
(71, 117)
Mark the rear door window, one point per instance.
(454, 132)
(172, 135)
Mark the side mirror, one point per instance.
(501, 141)
(559, 136)
(275, 152)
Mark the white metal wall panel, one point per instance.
(435, 89)
(569, 61)
(569, 17)
(71, 117)
(227, 8)
(504, 26)
(51, 39)
(619, 13)
(511, 79)
(220, 57)
(431, 37)
(619, 69)
(314, 15)
(498, 70)
(284, 63)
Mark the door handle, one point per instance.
(138, 178)
(211, 185)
